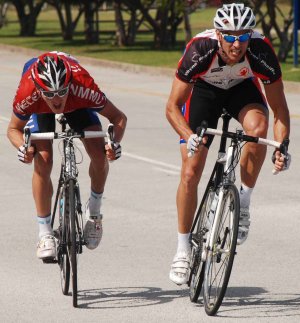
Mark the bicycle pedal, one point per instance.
(50, 261)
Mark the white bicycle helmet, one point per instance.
(234, 16)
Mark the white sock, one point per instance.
(95, 202)
(44, 226)
(184, 242)
(245, 195)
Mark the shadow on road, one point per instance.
(257, 302)
(124, 297)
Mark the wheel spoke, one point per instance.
(220, 259)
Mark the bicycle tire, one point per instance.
(63, 257)
(219, 261)
(72, 245)
(197, 238)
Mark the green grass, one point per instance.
(48, 37)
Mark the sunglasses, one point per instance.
(241, 38)
(51, 94)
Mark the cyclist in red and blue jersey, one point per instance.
(223, 68)
(55, 83)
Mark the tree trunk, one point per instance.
(3, 10)
(187, 27)
(132, 26)
(91, 26)
(269, 23)
(68, 31)
(28, 20)
(120, 32)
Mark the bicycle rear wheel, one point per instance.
(197, 239)
(219, 260)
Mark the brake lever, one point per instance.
(284, 152)
(200, 131)
(27, 135)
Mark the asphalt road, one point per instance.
(126, 278)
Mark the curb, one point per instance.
(135, 68)
(289, 87)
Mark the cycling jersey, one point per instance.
(201, 61)
(83, 93)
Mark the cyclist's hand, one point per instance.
(281, 162)
(26, 156)
(192, 144)
(113, 151)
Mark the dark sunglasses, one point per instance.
(51, 94)
(241, 38)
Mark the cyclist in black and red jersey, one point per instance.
(51, 84)
(221, 68)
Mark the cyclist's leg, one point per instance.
(41, 183)
(87, 119)
(249, 108)
(201, 106)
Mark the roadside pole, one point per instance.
(296, 28)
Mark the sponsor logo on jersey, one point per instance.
(75, 68)
(217, 69)
(262, 61)
(86, 93)
(196, 58)
(28, 101)
(244, 71)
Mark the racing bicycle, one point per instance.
(215, 226)
(66, 218)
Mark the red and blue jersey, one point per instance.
(83, 93)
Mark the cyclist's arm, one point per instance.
(15, 135)
(180, 93)
(116, 117)
(276, 99)
(15, 130)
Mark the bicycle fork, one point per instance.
(210, 245)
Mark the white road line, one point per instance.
(169, 168)
(170, 172)
(4, 119)
(151, 161)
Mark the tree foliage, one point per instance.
(160, 17)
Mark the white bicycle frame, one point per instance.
(227, 160)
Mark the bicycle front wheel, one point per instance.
(220, 259)
(197, 239)
(64, 232)
(72, 245)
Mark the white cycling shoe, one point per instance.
(46, 248)
(244, 224)
(179, 273)
(93, 229)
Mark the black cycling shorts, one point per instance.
(78, 120)
(207, 103)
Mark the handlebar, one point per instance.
(240, 136)
(28, 136)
